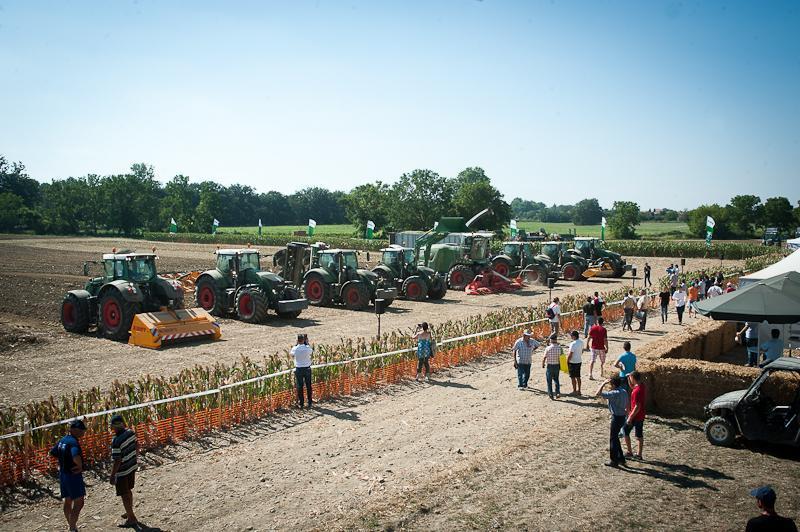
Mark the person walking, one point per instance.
(701, 290)
(768, 520)
(551, 360)
(553, 312)
(628, 307)
(664, 298)
(714, 291)
(647, 281)
(673, 279)
(598, 336)
(617, 399)
(574, 361)
(693, 297)
(70, 472)
(599, 303)
(750, 331)
(720, 278)
(641, 309)
(589, 316)
(123, 470)
(636, 415)
(302, 368)
(523, 357)
(626, 363)
(425, 349)
(679, 297)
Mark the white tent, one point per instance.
(788, 264)
(794, 243)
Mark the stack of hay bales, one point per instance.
(704, 340)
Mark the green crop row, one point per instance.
(266, 240)
(688, 249)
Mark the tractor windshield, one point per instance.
(479, 247)
(408, 256)
(350, 260)
(249, 261)
(551, 250)
(584, 246)
(511, 250)
(391, 258)
(141, 270)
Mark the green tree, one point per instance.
(12, 211)
(274, 209)
(744, 212)
(64, 205)
(624, 219)
(587, 212)
(471, 198)
(778, 213)
(368, 202)
(418, 199)
(697, 221)
(209, 207)
(527, 210)
(318, 203)
(180, 201)
(13, 179)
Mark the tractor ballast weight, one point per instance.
(398, 267)
(602, 262)
(518, 259)
(130, 301)
(238, 286)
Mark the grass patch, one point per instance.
(650, 230)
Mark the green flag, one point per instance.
(513, 226)
(370, 229)
(311, 225)
(710, 223)
(214, 226)
(173, 227)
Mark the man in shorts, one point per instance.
(123, 470)
(598, 338)
(574, 362)
(554, 315)
(635, 419)
(70, 472)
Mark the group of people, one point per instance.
(683, 294)
(760, 354)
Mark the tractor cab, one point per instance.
(341, 263)
(552, 250)
(476, 246)
(133, 267)
(398, 259)
(586, 247)
(239, 265)
(519, 251)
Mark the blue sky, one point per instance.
(664, 103)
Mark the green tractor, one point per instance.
(519, 259)
(398, 267)
(600, 259)
(238, 286)
(331, 276)
(566, 260)
(131, 301)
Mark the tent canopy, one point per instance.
(775, 300)
(788, 264)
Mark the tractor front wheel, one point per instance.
(502, 266)
(571, 272)
(355, 296)
(290, 293)
(459, 277)
(438, 289)
(415, 289)
(75, 314)
(210, 297)
(116, 315)
(316, 290)
(251, 305)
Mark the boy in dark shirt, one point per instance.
(70, 472)
(664, 298)
(768, 520)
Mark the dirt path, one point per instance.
(48, 361)
(468, 451)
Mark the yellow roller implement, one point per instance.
(603, 270)
(154, 329)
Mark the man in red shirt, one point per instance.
(636, 413)
(598, 336)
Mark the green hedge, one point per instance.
(266, 240)
(688, 249)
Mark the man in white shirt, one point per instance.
(554, 315)
(574, 361)
(302, 368)
(714, 291)
(641, 309)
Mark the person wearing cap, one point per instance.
(551, 360)
(302, 368)
(730, 287)
(523, 357)
(70, 472)
(769, 520)
(123, 470)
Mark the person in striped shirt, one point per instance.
(551, 360)
(123, 472)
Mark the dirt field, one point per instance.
(40, 359)
(466, 452)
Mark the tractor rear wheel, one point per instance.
(251, 305)
(459, 277)
(571, 272)
(355, 296)
(290, 293)
(438, 288)
(116, 315)
(415, 289)
(619, 271)
(502, 266)
(316, 290)
(75, 314)
(210, 297)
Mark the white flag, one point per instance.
(513, 224)
(216, 222)
(312, 223)
(603, 221)
(710, 222)
(259, 222)
(370, 224)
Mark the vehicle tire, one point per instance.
(251, 305)
(415, 289)
(720, 431)
(532, 275)
(116, 315)
(571, 272)
(619, 271)
(459, 277)
(502, 266)
(210, 297)
(316, 290)
(75, 314)
(355, 296)
(438, 289)
(290, 292)
(388, 280)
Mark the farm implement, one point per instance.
(491, 282)
(602, 262)
(130, 301)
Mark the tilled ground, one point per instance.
(40, 359)
(467, 451)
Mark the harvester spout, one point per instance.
(480, 214)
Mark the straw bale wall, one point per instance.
(704, 340)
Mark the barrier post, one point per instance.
(27, 446)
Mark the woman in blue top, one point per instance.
(425, 349)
